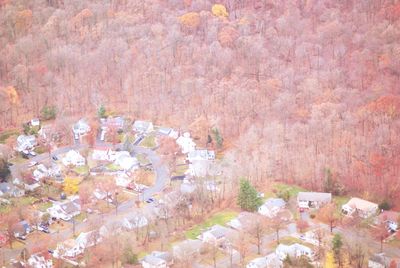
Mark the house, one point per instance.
(115, 227)
(271, 207)
(165, 131)
(31, 184)
(9, 190)
(215, 235)
(134, 221)
(202, 154)
(143, 126)
(313, 199)
(186, 143)
(391, 218)
(35, 122)
(199, 168)
(122, 180)
(363, 208)
(40, 172)
(126, 161)
(65, 210)
(40, 260)
(116, 122)
(88, 239)
(74, 158)
(80, 128)
(157, 259)
(187, 249)
(269, 261)
(22, 229)
(25, 143)
(104, 154)
(379, 260)
(295, 250)
(150, 261)
(68, 249)
(243, 220)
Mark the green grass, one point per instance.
(340, 200)
(7, 134)
(5, 209)
(219, 218)
(24, 200)
(289, 240)
(40, 150)
(142, 159)
(142, 254)
(113, 167)
(180, 170)
(44, 206)
(149, 142)
(81, 217)
(82, 170)
(292, 189)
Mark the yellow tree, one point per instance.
(219, 11)
(71, 185)
(329, 260)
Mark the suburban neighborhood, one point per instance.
(149, 196)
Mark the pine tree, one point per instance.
(248, 198)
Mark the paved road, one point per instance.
(124, 209)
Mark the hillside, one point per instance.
(302, 90)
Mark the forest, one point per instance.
(305, 91)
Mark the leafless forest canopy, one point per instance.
(295, 87)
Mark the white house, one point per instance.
(122, 180)
(40, 261)
(73, 158)
(157, 259)
(313, 199)
(216, 235)
(65, 210)
(390, 218)
(362, 207)
(25, 142)
(68, 249)
(143, 126)
(35, 122)
(104, 154)
(126, 161)
(186, 143)
(269, 261)
(187, 249)
(134, 221)
(80, 128)
(201, 154)
(295, 250)
(271, 207)
(40, 172)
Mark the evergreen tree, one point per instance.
(248, 198)
(337, 244)
(217, 137)
(102, 111)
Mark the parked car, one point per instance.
(32, 153)
(54, 157)
(150, 200)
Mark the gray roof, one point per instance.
(275, 202)
(314, 196)
(219, 231)
(153, 260)
(166, 256)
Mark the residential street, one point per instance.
(124, 209)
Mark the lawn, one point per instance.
(113, 167)
(142, 159)
(18, 159)
(5, 209)
(180, 170)
(219, 218)
(290, 240)
(292, 189)
(340, 200)
(7, 134)
(82, 170)
(24, 200)
(149, 142)
(40, 149)
(44, 206)
(81, 217)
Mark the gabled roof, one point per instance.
(153, 260)
(314, 196)
(361, 204)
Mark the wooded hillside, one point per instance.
(299, 87)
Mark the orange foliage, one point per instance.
(388, 105)
(24, 20)
(227, 36)
(190, 20)
(11, 94)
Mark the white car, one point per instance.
(32, 163)
(32, 153)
